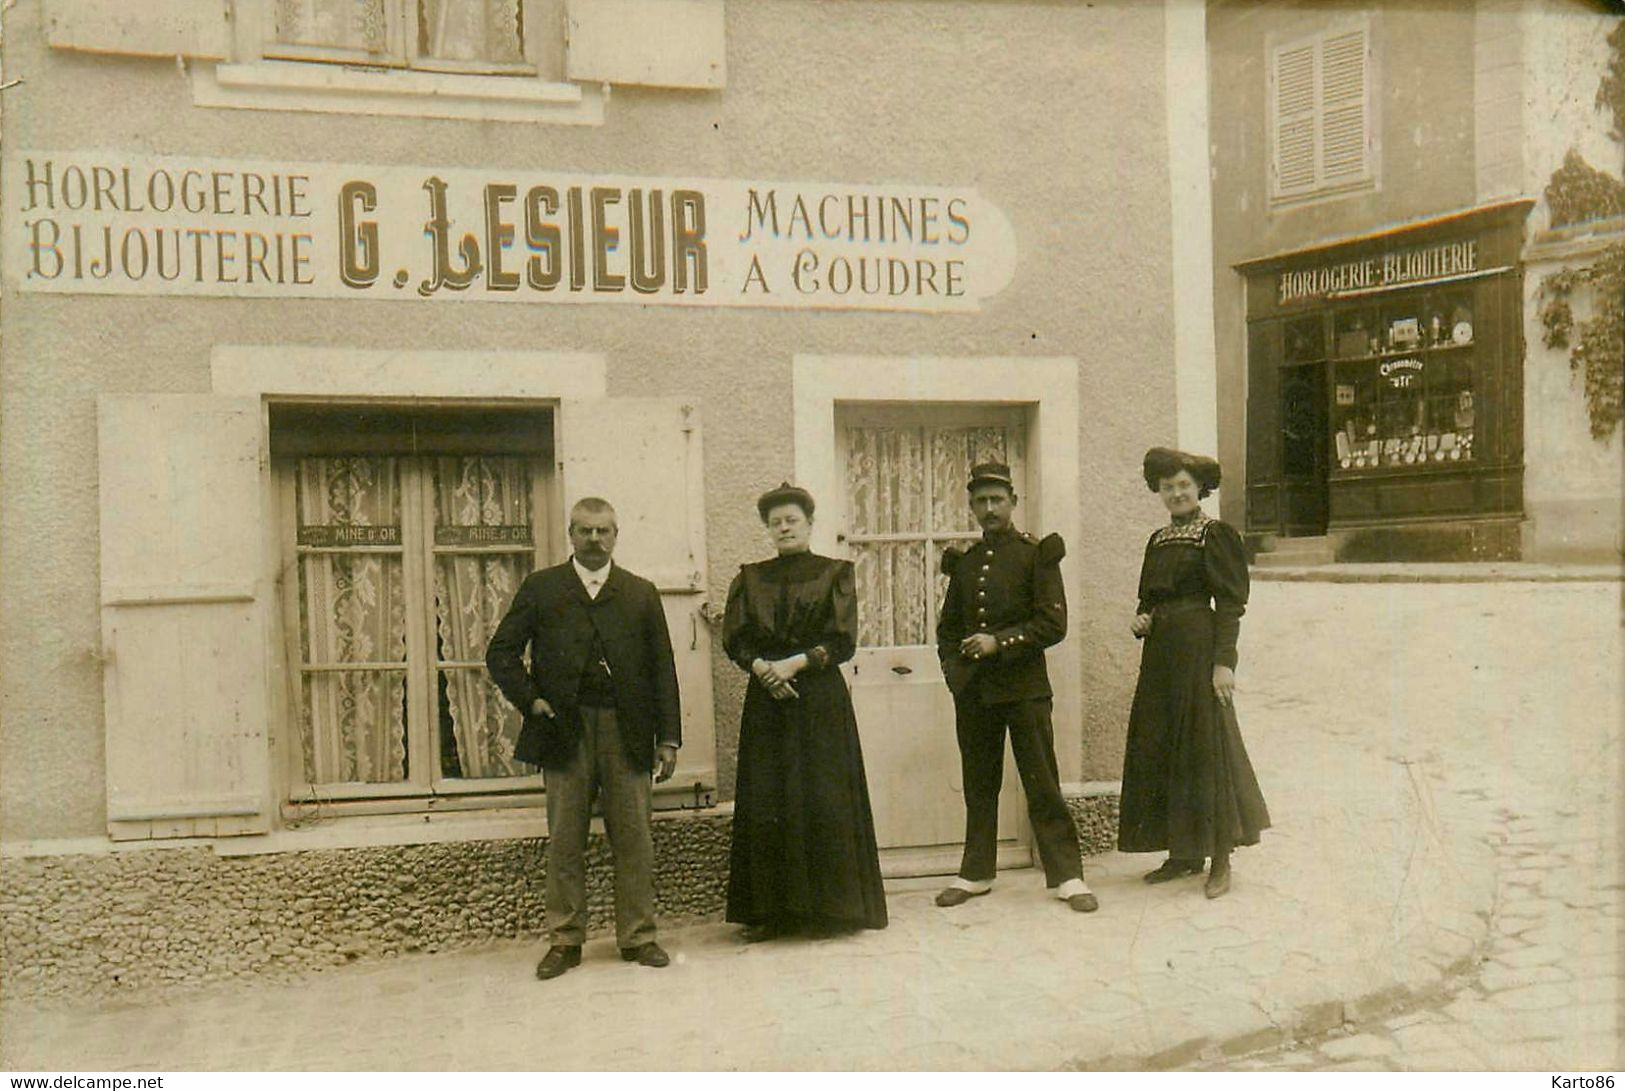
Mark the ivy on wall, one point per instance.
(1578, 192)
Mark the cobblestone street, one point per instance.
(1442, 890)
(1545, 991)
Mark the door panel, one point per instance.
(904, 502)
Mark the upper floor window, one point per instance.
(1321, 114)
(478, 36)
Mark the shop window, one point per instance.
(406, 535)
(905, 499)
(1321, 114)
(480, 36)
(1404, 383)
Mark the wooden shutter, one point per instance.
(644, 455)
(183, 624)
(1292, 104)
(1344, 115)
(658, 43)
(185, 28)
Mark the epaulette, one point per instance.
(950, 559)
(1051, 549)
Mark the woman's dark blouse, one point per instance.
(797, 603)
(1202, 559)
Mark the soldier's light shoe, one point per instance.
(957, 895)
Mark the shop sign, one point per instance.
(107, 222)
(483, 536)
(1402, 373)
(1387, 270)
(325, 536)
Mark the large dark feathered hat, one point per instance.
(786, 493)
(1165, 462)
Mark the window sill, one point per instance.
(343, 89)
(382, 830)
(1295, 201)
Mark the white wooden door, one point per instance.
(644, 456)
(904, 500)
(183, 615)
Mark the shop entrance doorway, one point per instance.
(1303, 450)
(903, 472)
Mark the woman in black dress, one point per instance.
(1187, 784)
(804, 853)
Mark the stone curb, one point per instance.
(1437, 573)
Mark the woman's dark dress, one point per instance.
(803, 836)
(1187, 784)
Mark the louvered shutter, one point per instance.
(1344, 97)
(1292, 102)
(183, 615)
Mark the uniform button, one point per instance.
(985, 567)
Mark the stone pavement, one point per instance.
(1442, 890)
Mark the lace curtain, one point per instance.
(345, 24)
(908, 485)
(471, 30)
(456, 30)
(471, 593)
(352, 609)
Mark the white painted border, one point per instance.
(327, 372)
(260, 370)
(1048, 385)
(1196, 381)
(345, 89)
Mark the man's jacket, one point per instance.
(553, 615)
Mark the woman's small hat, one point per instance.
(786, 493)
(990, 473)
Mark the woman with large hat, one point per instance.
(804, 854)
(1188, 786)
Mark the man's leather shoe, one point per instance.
(1083, 903)
(1218, 882)
(1174, 869)
(646, 954)
(957, 895)
(556, 961)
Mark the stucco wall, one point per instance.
(1054, 112)
(1574, 485)
(1425, 132)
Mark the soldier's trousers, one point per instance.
(981, 731)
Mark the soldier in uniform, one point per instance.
(1005, 605)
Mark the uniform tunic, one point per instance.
(1188, 785)
(803, 834)
(1008, 586)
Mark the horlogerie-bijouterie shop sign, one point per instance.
(139, 225)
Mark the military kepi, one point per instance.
(990, 473)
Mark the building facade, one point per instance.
(320, 313)
(1393, 218)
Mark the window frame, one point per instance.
(402, 31)
(926, 418)
(1320, 188)
(259, 75)
(426, 788)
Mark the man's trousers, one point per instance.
(599, 765)
(981, 731)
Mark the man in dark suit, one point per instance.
(1004, 606)
(601, 711)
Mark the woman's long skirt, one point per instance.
(804, 846)
(1188, 786)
